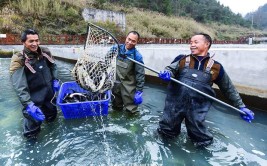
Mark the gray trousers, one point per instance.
(124, 97)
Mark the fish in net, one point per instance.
(95, 70)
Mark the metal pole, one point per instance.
(179, 82)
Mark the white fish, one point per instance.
(258, 152)
(83, 71)
(94, 73)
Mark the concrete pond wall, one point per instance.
(245, 64)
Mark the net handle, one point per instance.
(86, 37)
(93, 25)
(190, 87)
(181, 83)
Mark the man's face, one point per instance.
(199, 45)
(32, 42)
(131, 41)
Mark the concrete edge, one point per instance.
(249, 100)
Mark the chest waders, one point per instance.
(39, 79)
(125, 85)
(185, 104)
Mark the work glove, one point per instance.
(56, 85)
(165, 75)
(249, 114)
(138, 97)
(35, 112)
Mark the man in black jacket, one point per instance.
(199, 71)
(34, 77)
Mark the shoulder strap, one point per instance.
(187, 61)
(27, 64)
(121, 51)
(209, 65)
(27, 59)
(48, 58)
(134, 53)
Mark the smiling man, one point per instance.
(199, 71)
(34, 77)
(130, 77)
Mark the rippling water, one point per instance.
(121, 138)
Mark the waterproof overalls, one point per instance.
(130, 78)
(34, 84)
(183, 103)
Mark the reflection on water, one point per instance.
(121, 138)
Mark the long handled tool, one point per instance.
(194, 89)
(98, 58)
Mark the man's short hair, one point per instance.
(207, 37)
(24, 34)
(135, 33)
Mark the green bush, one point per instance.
(111, 27)
(6, 54)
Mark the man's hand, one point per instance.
(138, 97)
(165, 75)
(56, 85)
(35, 112)
(249, 114)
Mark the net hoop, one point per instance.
(95, 70)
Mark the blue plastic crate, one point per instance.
(80, 109)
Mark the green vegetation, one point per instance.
(154, 24)
(259, 17)
(47, 16)
(204, 11)
(174, 20)
(5, 54)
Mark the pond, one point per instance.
(122, 138)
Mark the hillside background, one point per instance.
(157, 18)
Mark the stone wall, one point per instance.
(245, 64)
(105, 15)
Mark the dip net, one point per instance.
(95, 70)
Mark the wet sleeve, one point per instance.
(220, 74)
(19, 82)
(139, 72)
(174, 66)
(229, 91)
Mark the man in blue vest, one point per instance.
(130, 77)
(34, 77)
(199, 71)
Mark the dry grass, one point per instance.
(232, 32)
(79, 3)
(41, 8)
(153, 24)
(147, 23)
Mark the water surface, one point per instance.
(122, 138)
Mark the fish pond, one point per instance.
(121, 138)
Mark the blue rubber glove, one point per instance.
(35, 112)
(56, 85)
(138, 97)
(165, 75)
(249, 114)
